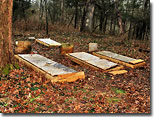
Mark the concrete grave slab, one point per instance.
(48, 42)
(102, 63)
(92, 61)
(53, 70)
(117, 58)
(84, 56)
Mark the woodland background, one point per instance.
(114, 17)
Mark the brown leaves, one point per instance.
(34, 96)
(31, 92)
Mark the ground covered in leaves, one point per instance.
(25, 91)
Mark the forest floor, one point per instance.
(24, 91)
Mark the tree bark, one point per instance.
(90, 14)
(40, 15)
(46, 12)
(114, 26)
(82, 28)
(62, 11)
(87, 17)
(76, 15)
(101, 20)
(6, 51)
(105, 24)
(111, 24)
(120, 22)
(130, 25)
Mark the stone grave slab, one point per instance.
(48, 42)
(95, 62)
(117, 58)
(55, 71)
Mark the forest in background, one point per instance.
(113, 17)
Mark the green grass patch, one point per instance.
(113, 100)
(84, 90)
(92, 110)
(91, 99)
(49, 106)
(66, 100)
(6, 70)
(75, 88)
(118, 91)
(34, 88)
(16, 65)
(24, 77)
(33, 99)
(85, 98)
(68, 109)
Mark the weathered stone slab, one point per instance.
(93, 60)
(46, 64)
(116, 56)
(102, 63)
(48, 41)
(84, 56)
(93, 47)
(120, 59)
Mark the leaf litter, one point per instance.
(25, 91)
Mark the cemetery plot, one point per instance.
(48, 42)
(92, 61)
(117, 58)
(52, 70)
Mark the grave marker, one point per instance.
(52, 70)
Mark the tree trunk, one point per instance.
(111, 24)
(114, 26)
(46, 12)
(101, 20)
(90, 14)
(144, 24)
(87, 17)
(129, 33)
(24, 16)
(130, 26)
(6, 52)
(49, 13)
(120, 24)
(119, 17)
(76, 15)
(62, 11)
(40, 15)
(82, 28)
(105, 24)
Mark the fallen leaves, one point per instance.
(24, 91)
